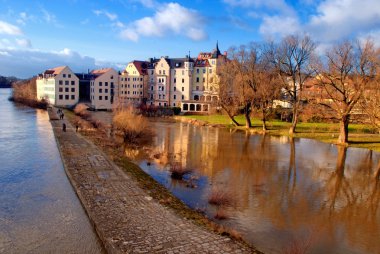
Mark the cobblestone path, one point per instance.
(125, 218)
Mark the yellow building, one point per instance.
(133, 83)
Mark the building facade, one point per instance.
(133, 83)
(59, 86)
(104, 88)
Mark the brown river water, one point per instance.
(39, 211)
(285, 194)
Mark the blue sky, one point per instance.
(36, 35)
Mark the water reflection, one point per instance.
(39, 211)
(288, 193)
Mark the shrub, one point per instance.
(220, 197)
(134, 128)
(176, 110)
(177, 171)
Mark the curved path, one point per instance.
(125, 218)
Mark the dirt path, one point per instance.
(126, 219)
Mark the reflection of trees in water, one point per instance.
(293, 199)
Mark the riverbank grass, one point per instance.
(360, 135)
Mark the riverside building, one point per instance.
(59, 86)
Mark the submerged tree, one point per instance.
(348, 70)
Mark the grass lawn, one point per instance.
(360, 135)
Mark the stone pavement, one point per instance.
(126, 219)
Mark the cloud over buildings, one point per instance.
(169, 19)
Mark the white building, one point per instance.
(104, 88)
(60, 86)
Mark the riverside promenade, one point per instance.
(126, 219)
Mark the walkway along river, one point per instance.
(286, 193)
(39, 211)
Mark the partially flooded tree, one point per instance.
(348, 70)
(292, 59)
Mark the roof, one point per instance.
(141, 66)
(55, 71)
(178, 62)
(99, 72)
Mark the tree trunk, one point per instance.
(343, 131)
(264, 122)
(247, 114)
(231, 117)
(292, 129)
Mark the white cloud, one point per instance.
(6, 28)
(26, 63)
(336, 19)
(24, 43)
(279, 26)
(171, 18)
(110, 16)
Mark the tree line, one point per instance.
(337, 82)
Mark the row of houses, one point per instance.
(189, 83)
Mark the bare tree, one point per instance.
(370, 104)
(347, 72)
(228, 97)
(292, 58)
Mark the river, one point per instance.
(39, 210)
(286, 194)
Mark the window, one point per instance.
(183, 80)
(73, 97)
(175, 80)
(183, 72)
(106, 98)
(100, 90)
(197, 88)
(204, 70)
(210, 70)
(174, 97)
(60, 97)
(66, 82)
(173, 104)
(69, 75)
(183, 97)
(197, 70)
(106, 83)
(106, 90)
(140, 93)
(141, 79)
(64, 75)
(73, 89)
(66, 89)
(174, 88)
(60, 82)
(140, 86)
(66, 96)
(163, 72)
(100, 84)
(111, 77)
(159, 72)
(183, 89)
(72, 82)
(151, 72)
(129, 79)
(100, 98)
(197, 79)
(151, 88)
(204, 80)
(60, 89)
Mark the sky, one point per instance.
(37, 35)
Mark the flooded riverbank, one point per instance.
(39, 211)
(287, 193)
